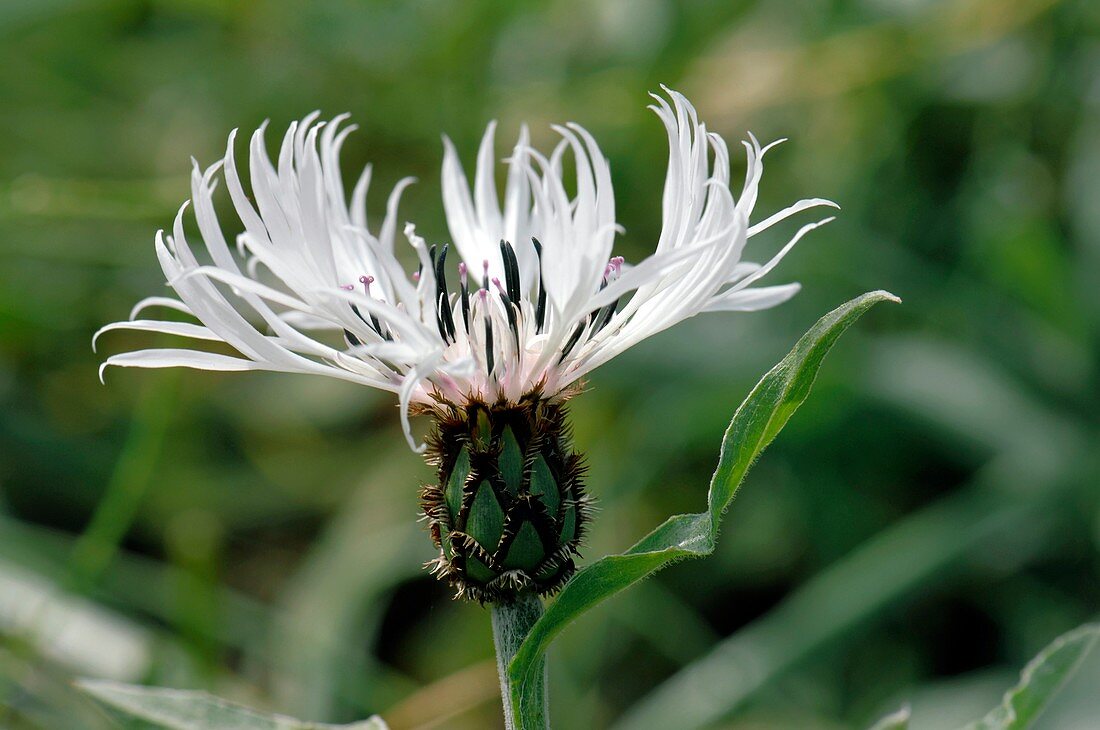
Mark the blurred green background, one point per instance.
(926, 523)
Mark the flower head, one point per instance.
(491, 345)
(537, 299)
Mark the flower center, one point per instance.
(486, 309)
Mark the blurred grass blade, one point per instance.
(194, 710)
(757, 421)
(1040, 681)
(133, 475)
(80, 635)
(894, 721)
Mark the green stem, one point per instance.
(511, 624)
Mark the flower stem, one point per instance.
(511, 624)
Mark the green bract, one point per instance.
(508, 511)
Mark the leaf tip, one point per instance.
(897, 720)
(103, 690)
(87, 685)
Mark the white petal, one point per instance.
(242, 283)
(462, 219)
(763, 270)
(183, 329)
(175, 358)
(168, 302)
(412, 380)
(652, 267)
(306, 321)
(789, 211)
(753, 300)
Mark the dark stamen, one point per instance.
(511, 310)
(440, 305)
(571, 343)
(603, 318)
(440, 272)
(511, 270)
(465, 297)
(372, 322)
(444, 316)
(540, 309)
(355, 308)
(488, 333)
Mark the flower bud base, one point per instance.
(509, 510)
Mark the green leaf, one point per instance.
(757, 421)
(1040, 681)
(193, 710)
(894, 721)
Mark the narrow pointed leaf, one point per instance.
(757, 421)
(1040, 681)
(192, 710)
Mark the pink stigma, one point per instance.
(416, 276)
(496, 283)
(614, 268)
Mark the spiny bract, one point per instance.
(509, 509)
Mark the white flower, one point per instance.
(313, 287)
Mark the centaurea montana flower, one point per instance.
(541, 301)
